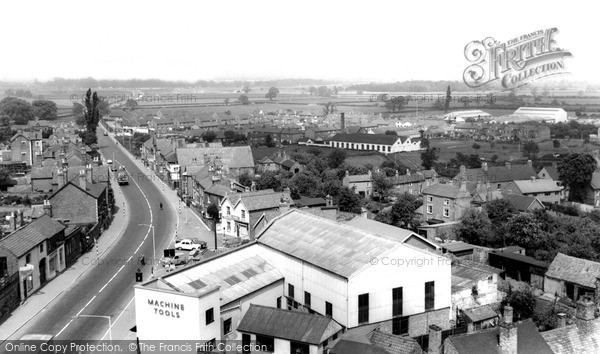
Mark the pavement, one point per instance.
(37, 302)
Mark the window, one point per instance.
(446, 212)
(429, 209)
(400, 325)
(363, 308)
(3, 266)
(291, 291)
(446, 201)
(265, 342)
(228, 211)
(41, 247)
(429, 295)
(389, 148)
(429, 199)
(228, 226)
(28, 258)
(243, 214)
(328, 309)
(397, 301)
(210, 316)
(306, 299)
(279, 302)
(227, 326)
(547, 194)
(499, 184)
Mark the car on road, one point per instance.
(109, 162)
(105, 133)
(189, 244)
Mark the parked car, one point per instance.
(109, 162)
(189, 244)
(180, 258)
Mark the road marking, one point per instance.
(118, 317)
(65, 327)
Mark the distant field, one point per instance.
(373, 160)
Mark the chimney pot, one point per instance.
(508, 314)
(47, 208)
(561, 320)
(532, 178)
(507, 165)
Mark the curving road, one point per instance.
(107, 289)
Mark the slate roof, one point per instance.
(575, 339)
(394, 344)
(350, 347)
(381, 139)
(457, 246)
(574, 270)
(309, 202)
(497, 174)
(333, 246)
(529, 341)
(44, 172)
(259, 200)
(521, 258)
(521, 202)
(231, 156)
(359, 178)
(481, 313)
(446, 190)
(30, 236)
(553, 172)
(465, 276)
(536, 186)
(380, 228)
(290, 325)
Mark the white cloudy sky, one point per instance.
(350, 40)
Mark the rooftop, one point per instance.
(30, 236)
(537, 186)
(291, 325)
(574, 270)
(381, 139)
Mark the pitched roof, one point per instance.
(521, 202)
(480, 313)
(231, 156)
(552, 172)
(575, 339)
(536, 186)
(394, 344)
(350, 347)
(574, 270)
(381, 139)
(496, 174)
(333, 246)
(259, 200)
(446, 190)
(529, 341)
(291, 325)
(30, 236)
(359, 178)
(380, 228)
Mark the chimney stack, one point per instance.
(13, 221)
(253, 186)
(47, 208)
(555, 165)
(342, 122)
(597, 294)
(82, 181)
(484, 166)
(489, 192)
(347, 173)
(463, 169)
(529, 163)
(463, 185)
(532, 178)
(329, 200)
(508, 333)
(364, 213)
(89, 173)
(561, 320)
(407, 172)
(435, 340)
(507, 164)
(19, 218)
(585, 310)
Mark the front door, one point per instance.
(25, 288)
(43, 271)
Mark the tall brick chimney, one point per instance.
(435, 340)
(342, 122)
(585, 311)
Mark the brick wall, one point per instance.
(419, 324)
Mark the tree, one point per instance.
(245, 179)
(307, 184)
(268, 180)
(575, 171)
(243, 99)
(9, 92)
(381, 185)
(448, 99)
(5, 180)
(425, 143)
(390, 132)
(347, 200)
(269, 141)
(78, 109)
(312, 90)
(229, 135)
(226, 101)
(475, 228)
(273, 92)
(213, 211)
(209, 136)
(336, 158)
(523, 230)
(476, 146)
(91, 117)
(403, 211)
(328, 108)
(530, 148)
(17, 109)
(556, 143)
(131, 104)
(500, 210)
(43, 109)
(522, 301)
(103, 108)
(4, 120)
(324, 91)
(246, 88)
(428, 158)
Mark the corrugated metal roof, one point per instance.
(238, 273)
(336, 247)
(291, 325)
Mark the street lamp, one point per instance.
(153, 242)
(99, 316)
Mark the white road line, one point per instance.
(118, 317)
(86, 305)
(65, 327)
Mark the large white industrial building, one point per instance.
(301, 262)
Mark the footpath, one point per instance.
(44, 297)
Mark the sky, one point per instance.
(356, 41)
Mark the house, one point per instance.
(361, 184)
(37, 251)
(545, 190)
(243, 213)
(235, 160)
(383, 143)
(302, 262)
(266, 164)
(320, 133)
(549, 172)
(581, 337)
(509, 337)
(572, 277)
(284, 163)
(446, 202)
(520, 267)
(412, 183)
(523, 203)
(283, 331)
(497, 176)
(26, 147)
